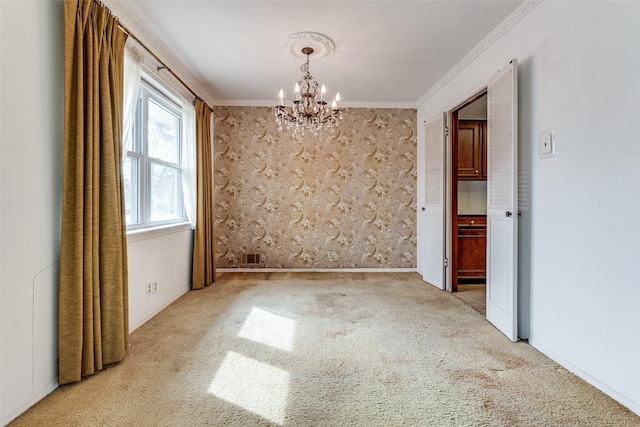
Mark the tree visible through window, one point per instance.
(152, 169)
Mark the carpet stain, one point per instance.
(337, 334)
(331, 299)
(471, 376)
(392, 379)
(510, 361)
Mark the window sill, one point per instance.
(153, 232)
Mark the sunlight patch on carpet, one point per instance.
(255, 386)
(269, 328)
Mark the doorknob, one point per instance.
(508, 214)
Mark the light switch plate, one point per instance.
(546, 144)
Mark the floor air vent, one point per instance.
(252, 259)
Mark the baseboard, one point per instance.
(35, 398)
(615, 395)
(158, 309)
(316, 270)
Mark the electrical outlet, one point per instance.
(155, 286)
(149, 288)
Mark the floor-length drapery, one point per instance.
(93, 300)
(203, 255)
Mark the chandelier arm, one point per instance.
(282, 113)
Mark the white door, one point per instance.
(435, 201)
(502, 197)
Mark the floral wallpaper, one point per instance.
(342, 199)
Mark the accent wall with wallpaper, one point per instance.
(341, 199)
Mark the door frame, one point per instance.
(453, 187)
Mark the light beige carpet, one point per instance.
(326, 349)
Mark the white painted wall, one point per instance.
(31, 133)
(579, 73)
(30, 182)
(163, 257)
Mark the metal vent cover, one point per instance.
(252, 259)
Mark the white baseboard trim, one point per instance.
(615, 395)
(158, 309)
(316, 270)
(35, 398)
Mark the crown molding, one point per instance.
(127, 15)
(343, 105)
(244, 103)
(515, 17)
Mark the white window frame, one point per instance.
(151, 90)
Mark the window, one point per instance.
(152, 170)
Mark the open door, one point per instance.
(435, 201)
(502, 197)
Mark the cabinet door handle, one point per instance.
(477, 171)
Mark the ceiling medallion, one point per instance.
(309, 111)
(322, 45)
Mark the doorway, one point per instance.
(468, 212)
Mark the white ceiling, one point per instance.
(386, 52)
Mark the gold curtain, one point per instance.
(203, 256)
(93, 301)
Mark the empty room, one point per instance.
(292, 213)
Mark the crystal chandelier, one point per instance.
(309, 111)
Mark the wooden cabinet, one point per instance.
(472, 242)
(472, 150)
